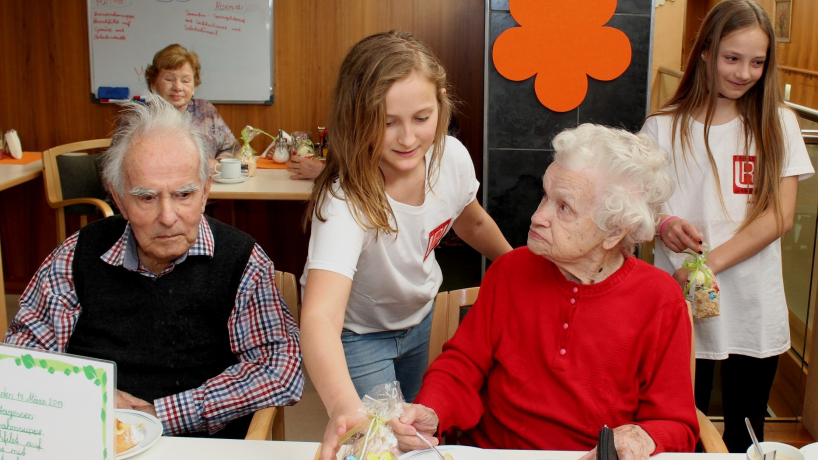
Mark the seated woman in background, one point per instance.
(174, 75)
(572, 333)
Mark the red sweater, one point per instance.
(529, 369)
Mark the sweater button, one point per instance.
(573, 300)
(565, 326)
(562, 351)
(576, 289)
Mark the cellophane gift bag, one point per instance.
(247, 154)
(701, 290)
(374, 439)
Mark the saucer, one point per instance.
(235, 180)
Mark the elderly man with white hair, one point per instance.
(572, 333)
(185, 305)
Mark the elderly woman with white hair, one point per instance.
(572, 333)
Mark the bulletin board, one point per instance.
(233, 38)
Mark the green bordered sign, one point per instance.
(55, 406)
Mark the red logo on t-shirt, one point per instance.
(744, 168)
(435, 236)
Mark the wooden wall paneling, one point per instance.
(695, 13)
(276, 226)
(46, 93)
(305, 79)
(804, 88)
(47, 99)
(800, 51)
(311, 39)
(28, 226)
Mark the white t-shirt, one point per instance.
(754, 316)
(394, 277)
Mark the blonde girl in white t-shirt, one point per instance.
(392, 186)
(736, 156)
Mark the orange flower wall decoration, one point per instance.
(562, 42)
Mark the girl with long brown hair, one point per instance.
(736, 156)
(393, 185)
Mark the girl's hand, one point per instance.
(337, 427)
(679, 235)
(415, 419)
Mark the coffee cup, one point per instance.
(229, 168)
(782, 451)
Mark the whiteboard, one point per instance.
(233, 38)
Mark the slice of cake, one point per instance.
(127, 436)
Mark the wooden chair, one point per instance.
(709, 437)
(268, 424)
(74, 182)
(446, 318)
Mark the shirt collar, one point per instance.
(124, 251)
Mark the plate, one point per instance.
(810, 451)
(235, 180)
(149, 425)
(458, 452)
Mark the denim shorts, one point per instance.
(382, 357)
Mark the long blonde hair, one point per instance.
(358, 121)
(758, 108)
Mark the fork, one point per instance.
(423, 438)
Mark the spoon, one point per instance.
(753, 437)
(423, 438)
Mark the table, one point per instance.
(268, 184)
(11, 175)
(212, 449)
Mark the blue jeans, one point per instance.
(383, 357)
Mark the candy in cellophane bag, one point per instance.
(701, 290)
(374, 439)
(302, 145)
(247, 154)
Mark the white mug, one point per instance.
(229, 168)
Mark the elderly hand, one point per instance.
(129, 401)
(415, 419)
(304, 168)
(632, 443)
(681, 276)
(679, 234)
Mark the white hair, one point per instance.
(155, 117)
(631, 180)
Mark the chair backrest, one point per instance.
(80, 177)
(268, 424)
(692, 342)
(73, 183)
(446, 318)
(286, 285)
(55, 176)
(709, 437)
(3, 312)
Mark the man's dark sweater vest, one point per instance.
(166, 335)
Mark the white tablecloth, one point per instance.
(268, 184)
(168, 448)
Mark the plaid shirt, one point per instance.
(263, 334)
